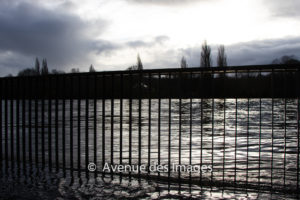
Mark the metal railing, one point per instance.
(242, 122)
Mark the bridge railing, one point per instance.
(214, 126)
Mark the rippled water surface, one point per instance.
(247, 142)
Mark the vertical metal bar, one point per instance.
(130, 119)
(140, 123)
(95, 120)
(212, 124)
(285, 125)
(1, 145)
(169, 138)
(149, 119)
(23, 124)
(159, 116)
(29, 120)
(103, 121)
(248, 126)
(49, 122)
(180, 120)
(36, 121)
(191, 128)
(18, 93)
(272, 124)
(87, 127)
(6, 123)
(71, 123)
(259, 144)
(56, 124)
(43, 121)
(12, 126)
(112, 122)
(64, 124)
(201, 128)
(79, 126)
(224, 134)
(121, 118)
(235, 134)
(298, 131)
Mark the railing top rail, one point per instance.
(228, 69)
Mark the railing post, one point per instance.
(12, 140)
(235, 133)
(56, 123)
(71, 124)
(149, 119)
(121, 118)
(49, 123)
(191, 128)
(272, 129)
(112, 122)
(30, 92)
(224, 127)
(6, 124)
(23, 81)
(103, 123)
(87, 84)
(36, 121)
(140, 123)
(79, 126)
(95, 121)
(169, 138)
(1, 145)
(63, 97)
(159, 120)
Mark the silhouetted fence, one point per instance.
(242, 122)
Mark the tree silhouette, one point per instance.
(45, 70)
(75, 70)
(222, 58)
(286, 60)
(183, 63)
(27, 72)
(205, 55)
(92, 69)
(139, 63)
(37, 66)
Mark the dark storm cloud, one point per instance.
(140, 43)
(262, 52)
(286, 8)
(166, 2)
(29, 30)
(249, 53)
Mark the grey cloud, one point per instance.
(286, 8)
(249, 53)
(140, 43)
(166, 2)
(33, 31)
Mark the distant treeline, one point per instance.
(205, 61)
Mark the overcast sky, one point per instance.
(110, 33)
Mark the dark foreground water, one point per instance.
(44, 185)
(247, 143)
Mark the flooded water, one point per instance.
(253, 149)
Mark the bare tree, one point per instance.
(45, 70)
(205, 55)
(37, 66)
(92, 69)
(183, 63)
(139, 63)
(222, 58)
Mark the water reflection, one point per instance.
(248, 143)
